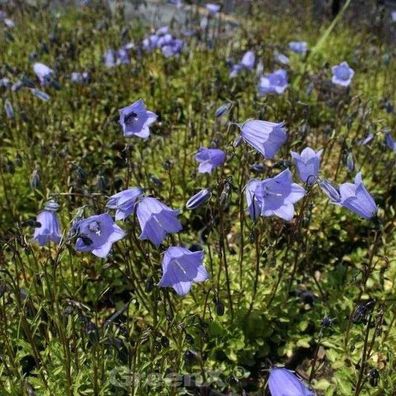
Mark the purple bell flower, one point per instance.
(275, 82)
(253, 202)
(247, 63)
(135, 120)
(122, 57)
(356, 198)
(156, 220)
(283, 382)
(213, 8)
(43, 73)
(266, 137)
(49, 228)
(390, 142)
(110, 58)
(5, 82)
(209, 159)
(162, 31)
(177, 3)
(79, 78)
(275, 196)
(163, 39)
(248, 60)
(199, 199)
(9, 23)
(172, 48)
(308, 163)
(97, 234)
(124, 202)
(235, 70)
(342, 74)
(281, 58)
(299, 47)
(150, 43)
(366, 140)
(181, 268)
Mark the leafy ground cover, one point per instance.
(311, 290)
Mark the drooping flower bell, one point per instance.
(299, 47)
(209, 159)
(172, 48)
(275, 196)
(79, 77)
(156, 220)
(135, 120)
(124, 202)
(366, 140)
(342, 74)
(97, 234)
(390, 142)
(43, 73)
(281, 58)
(48, 225)
(356, 198)
(253, 202)
(181, 268)
(307, 163)
(247, 63)
(273, 83)
(162, 39)
(266, 137)
(248, 60)
(109, 58)
(213, 8)
(283, 382)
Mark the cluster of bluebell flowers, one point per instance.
(273, 83)
(162, 39)
(121, 56)
(247, 63)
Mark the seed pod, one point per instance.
(374, 376)
(40, 94)
(165, 341)
(9, 109)
(190, 339)
(326, 322)
(149, 285)
(219, 308)
(223, 109)
(362, 310)
(199, 199)
(35, 179)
